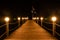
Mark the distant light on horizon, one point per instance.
(37, 18)
(34, 18)
(26, 18)
(23, 18)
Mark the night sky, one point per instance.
(24, 7)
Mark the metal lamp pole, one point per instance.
(18, 21)
(54, 27)
(41, 20)
(7, 25)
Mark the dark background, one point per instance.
(24, 7)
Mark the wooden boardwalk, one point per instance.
(30, 31)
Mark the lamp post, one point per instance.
(54, 20)
(41, 20)
(7, 25)
(18, 20)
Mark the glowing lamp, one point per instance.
(18, 18)
(41, 18)
(54, 19)
(7, 19)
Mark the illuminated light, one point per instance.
(34, 18)
(18, 18)
(26, 18)
(41, 18)
(23, 18)
(37, 18)
(54, 19)
(7, 19)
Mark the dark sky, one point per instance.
(24, 7)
